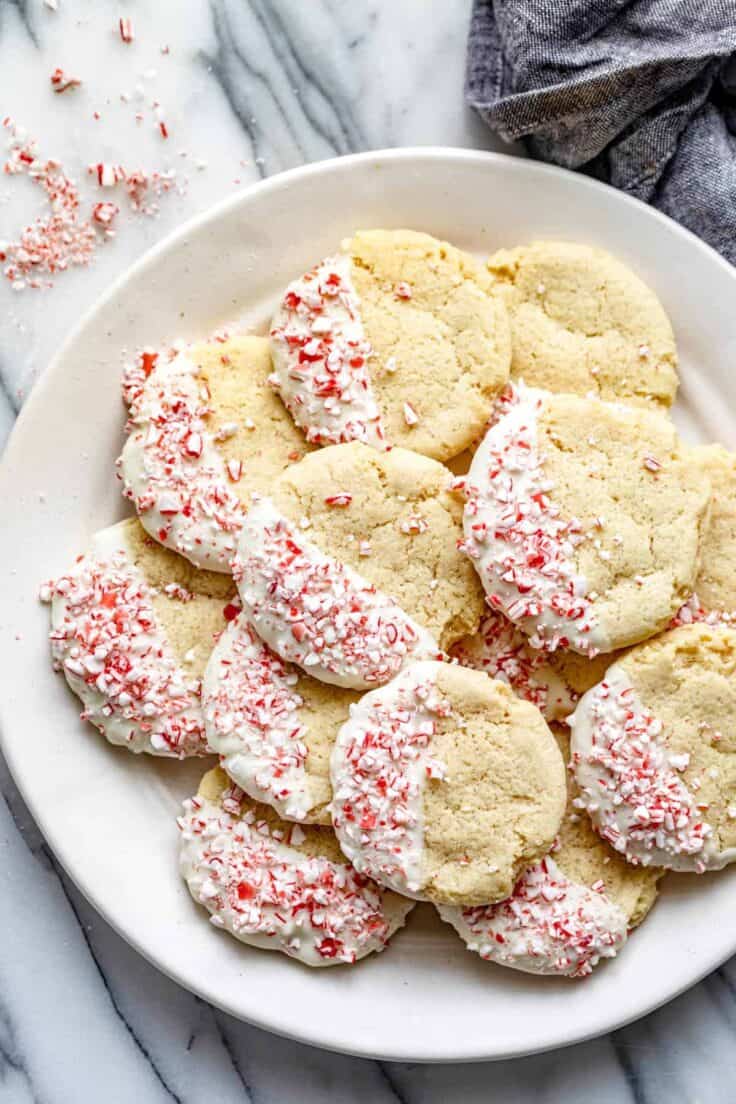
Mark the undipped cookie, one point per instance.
(394, 340)
(582, 322)
(653, 750)
(279, 886)
(133, 626)
(569, 911)
(205, 431)
(445, 785)
(584, 520)
(714, 596)
(272, 725)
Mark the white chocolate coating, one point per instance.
(629, 784)
(259, 887)
(321, 357)
(251, 704)
(106, 640)
(317, 612)
(174, 474)
(549, 925)
(522, 549)
(379, 766)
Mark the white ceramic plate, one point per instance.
(110, 816)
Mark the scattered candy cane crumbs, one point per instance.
(125, 28)
(64, 238)
(62, 82)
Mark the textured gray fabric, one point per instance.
(640, 93)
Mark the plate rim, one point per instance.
(36, 398)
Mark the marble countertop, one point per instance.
(245, 88)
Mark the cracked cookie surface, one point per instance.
(583, 322)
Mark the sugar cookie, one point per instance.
(353, 566)
(569, 911)
(205, 431)
(653, 752)
(132, 628)
(316, 612)
(582, 322)
(584, 520)
(394, 340)
(392, 518)
(445, 785)
(279, 886)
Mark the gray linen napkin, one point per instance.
(640, 93)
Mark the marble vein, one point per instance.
(22, 7)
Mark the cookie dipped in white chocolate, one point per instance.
(316, 612)
(652, 753)
(278, 886)
(445, 785)
(583, 520)
(132, 641)
(549, 925)
(205, 431)
(272, 725)
(568, 912)
(394, 340)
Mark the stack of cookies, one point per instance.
(430, 572)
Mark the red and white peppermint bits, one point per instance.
(321, 357)
(125, 29)
(504, 652)
(257, 885)
(380, 764)
(62, 82)
(251, 707)
(694, 612)
(523, 551)
(106, 640)
(60, 238)
(136, 373)
(549, 925)
(317, 612)
(629, 784)
(172, 471)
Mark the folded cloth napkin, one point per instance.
(640, 93)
